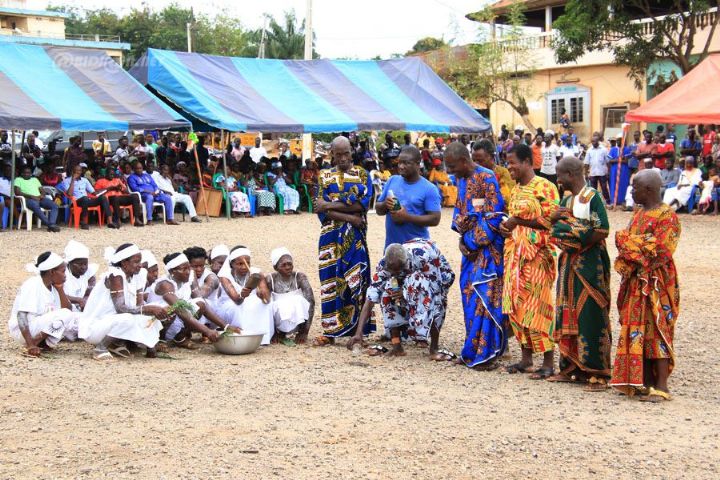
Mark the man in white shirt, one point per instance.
(164, 181)
(596, 160)
(258, 151)
(550, 153)
(568, 149)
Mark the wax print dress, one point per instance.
(530, 266)
(291, 197)
(582, 318)
(344, 262)
(265, 198)
(649, 294)
(477, 216)
(425, 284)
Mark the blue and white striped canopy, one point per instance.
(55, 88)
(247, 94)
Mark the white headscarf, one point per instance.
(75, 250)
(226, 271)
(176, 262)
(53, 261)
(277, 254)
(148, 257)
(114, 257)
(219, 251)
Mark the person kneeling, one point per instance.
(292, 299)
(42, 312)
(411, 284)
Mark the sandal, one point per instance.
(542, 373)
(186, 344)
(560, 378)
(376, 350)
(161, 346)
(103, 357)
(120, 351)
(656, 396)
(518, 368)
(323, 341)
(443, 355)
(596, 384)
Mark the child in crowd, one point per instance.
(709, 192)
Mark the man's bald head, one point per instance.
(572, 165)
(457, 151)
(341, 151)
(338, 142)
(648, 179)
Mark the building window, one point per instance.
(556, 107)
(577, 109)
(573, 98)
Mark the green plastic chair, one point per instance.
(220, 185)
(278, 196)
(301, 187)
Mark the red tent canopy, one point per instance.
(693, 99)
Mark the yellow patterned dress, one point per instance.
(649, 295)
(530, 266)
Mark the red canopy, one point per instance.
(693, 99)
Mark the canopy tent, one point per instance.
(56, 88)
(296, 96)
(693, 99)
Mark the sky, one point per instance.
(343, 29)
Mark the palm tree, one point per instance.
(286, 41)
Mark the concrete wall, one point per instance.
(46, 26)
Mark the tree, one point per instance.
(496, 71)
(286, 41)
(427, 44)
(637, 32)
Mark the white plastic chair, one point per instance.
(28, 215)
(159, 205)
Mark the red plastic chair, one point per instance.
(76, 212)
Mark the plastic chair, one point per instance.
(159, 205)
(27, 214)
(5, 216)
(301, 187)
(278, 196)
(76, 212)
(252, 198)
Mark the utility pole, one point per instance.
(307, 137)
(189, 37)
(263, 38)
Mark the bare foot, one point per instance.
(396, 351)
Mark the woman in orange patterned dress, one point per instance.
(529, 263)
(649, 295)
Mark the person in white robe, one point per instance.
(207, 284)
(80, 275)
(149, 271)
(218, 255)
(292, 298)
(245, 296)
(678, 196)
(116, 310)
(41, 311)
(174, 292)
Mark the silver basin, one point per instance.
(238, 344)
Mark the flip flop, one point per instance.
(656, 396)
(542, 373)
(560, 378)
(103, 357)
(322, 341)
(376, 350)
(443, 355)
(120, 351)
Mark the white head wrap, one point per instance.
(277, 254)
(176, 262)
(149, 258)
(219, 251)
(113, 258)
(53, 261)
(75, 250)
(226, 271)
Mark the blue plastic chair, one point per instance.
(5, 216)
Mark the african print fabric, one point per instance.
(343, 254)
(477, 216)
(424, 284)
(530, 266)
(582, 315)
(649, 295)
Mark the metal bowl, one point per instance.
(238, 344)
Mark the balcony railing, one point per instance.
(81, 37)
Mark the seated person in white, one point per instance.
(207, 286)
(218, 255)
(80, 275)
(174, 293)
(245, 296)
(678, 196)
(164, 181)
(292, 298)
(116, 310)
(149, 272)
(42, 312)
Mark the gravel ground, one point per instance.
(321, 413)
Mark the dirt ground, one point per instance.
(322, 413)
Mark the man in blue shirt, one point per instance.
(143, 183)
(78, 187)
(420, 201)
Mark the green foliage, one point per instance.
(427, 44)
(166, 29)
(590, 26)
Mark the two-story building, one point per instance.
(594, 91)
(43, 27)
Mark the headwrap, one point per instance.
(180, 164)
(436, 162)
(53, 261)
(75, 250)
(439, 140)
(176, 262)
(275, 165)
(114, 257)
(277, 254)
(149, 258)
(219, 251)
(226, 271)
